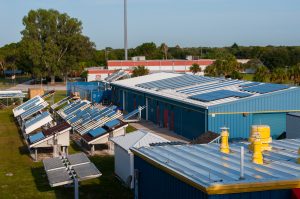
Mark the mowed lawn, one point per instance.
(20, 177)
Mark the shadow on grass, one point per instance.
(40, 178)
(42, 184)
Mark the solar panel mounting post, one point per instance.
(76, 191)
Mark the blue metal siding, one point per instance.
(189, 121)
(239, 125)
(155, 183)
(279, 101)
(277, 122)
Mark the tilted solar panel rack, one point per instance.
(11, 94)
(81, 109)
(27, 105)
(33, 110)
(60, 103)
(70, 169)
(115, 76)
(37, 122)
(85, 118)
(99, 123)
(75, 107)
(68, 106)
(133, 113)
(88, 121)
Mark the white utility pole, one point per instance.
(125, 30)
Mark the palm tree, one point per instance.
(195, 68)
(164, 48)
(294, 74)
(261, 74)
(279, 75)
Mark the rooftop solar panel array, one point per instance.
(265, 88)
(214, 85)
(217, 95)
(176, 82)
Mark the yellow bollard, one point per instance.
(257, 157)
(224, 147)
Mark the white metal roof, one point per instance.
(137, 139)
(183, 97)
(206, 166)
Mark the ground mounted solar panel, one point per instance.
(70, 169)
(265, 88)
(77, 159)
(59, 177)
(217, 95)
(86, 171)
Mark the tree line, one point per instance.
(52, 45)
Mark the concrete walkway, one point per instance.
(163, 132)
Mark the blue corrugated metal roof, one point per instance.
(206, 166)
(169, 85)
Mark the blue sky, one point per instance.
(182, 22)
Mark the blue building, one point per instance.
(203, 172)
(190, 105)
(95, 92)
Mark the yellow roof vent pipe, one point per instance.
(264, 134)
(257, 157)
(224, 147)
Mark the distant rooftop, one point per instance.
(206, 168)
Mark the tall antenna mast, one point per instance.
(125, 30)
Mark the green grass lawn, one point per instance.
(29, 180)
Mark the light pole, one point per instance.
(125, 30)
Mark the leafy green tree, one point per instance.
(149, 50)
(261, 74)
(195, 68)
(236, 75)
(53, 43)
(140, 71)
(223, 67)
